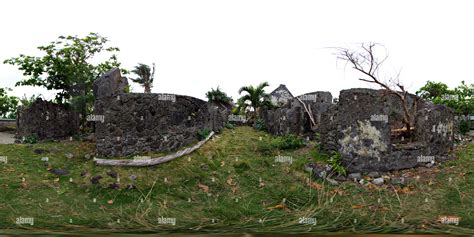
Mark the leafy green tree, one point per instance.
(461, 98)
(218, 96)
(67, 65)
(8, 104)
(254, 99)
(433, 90)
(145, 76)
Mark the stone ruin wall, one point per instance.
(133, 123)
(291, 117)
(360, 127)
(46, 120)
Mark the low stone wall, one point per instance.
(46, 120)
(132, 123)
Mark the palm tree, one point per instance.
(254, 99)
(145, 76)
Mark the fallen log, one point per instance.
(152, 161)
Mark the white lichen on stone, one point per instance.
(355, 144)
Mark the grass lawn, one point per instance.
(228, 185)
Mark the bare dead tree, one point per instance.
(310, 114)
(365, 61)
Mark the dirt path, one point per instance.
(7, 138)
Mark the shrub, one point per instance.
(229, 125)
(287, 142)
(335, 162)
(30, 139)
(464, 126)
(203, 133)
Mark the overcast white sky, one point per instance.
(202, 44)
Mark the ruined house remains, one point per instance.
(135, 122)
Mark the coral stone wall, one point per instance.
(361, 127)
(46, 120)
(291, 117)
(133, 123)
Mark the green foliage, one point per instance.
(461, 98)
(335, 162)
(269, 147)
(66, 65)
(30, 139)
(229, 125)
(286, 142)
(254, 99)
(145, 76)
(8, 104)
(432, 90)
(218, 96)
(203, 133)
(464, 126)
(260, 125)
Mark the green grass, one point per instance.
(244, 183)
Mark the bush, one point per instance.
(203, 133)
(229, 125)
(287, 142)
(464, 126)
(30, 139)
(335, 162)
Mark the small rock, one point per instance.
(96, 179)
(398, 181)
(112, 174)
(340, 178)
(378, 181)
(321, 171)
(132, 177)
(363, 182)
(45, 159)
(430, 164)
(374, 174)
(355, 176)
(131, 186)
(309, 167)
(332, 181)
(114, 186)
(87, 156)
(60, 172)
(69, 155)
